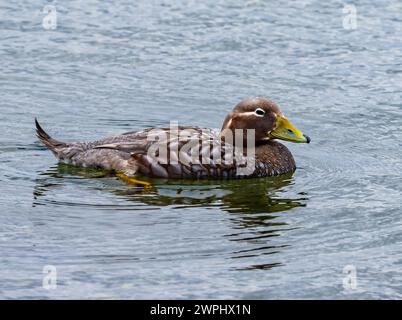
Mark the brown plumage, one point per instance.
(192, 152)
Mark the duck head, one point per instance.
(265, 117)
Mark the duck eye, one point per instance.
(259, 112)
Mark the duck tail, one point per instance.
(53, 144)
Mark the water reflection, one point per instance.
(255, 206)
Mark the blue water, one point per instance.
(111, 67)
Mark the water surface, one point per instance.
(113, 67)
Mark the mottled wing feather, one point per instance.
(195, 153)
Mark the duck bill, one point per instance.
(284, 130)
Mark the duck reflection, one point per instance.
(255, 205)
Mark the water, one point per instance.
(112, 67)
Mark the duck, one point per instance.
(246, 147)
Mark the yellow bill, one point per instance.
(284, 130)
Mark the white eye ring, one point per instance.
(259, 112)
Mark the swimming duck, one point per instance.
(248, 136)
